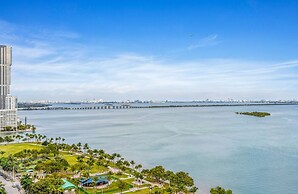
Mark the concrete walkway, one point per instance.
(8, 186)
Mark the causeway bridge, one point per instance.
(124, 106)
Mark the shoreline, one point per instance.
(281, 116)
(19, 131)
(113, 166)
(94, 107)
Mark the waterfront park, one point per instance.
(36, 164)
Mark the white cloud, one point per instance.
(31, 52)
(204, 42)
(150, 78)
(54, 68)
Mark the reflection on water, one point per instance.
(218, 147)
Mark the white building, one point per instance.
(8, 104)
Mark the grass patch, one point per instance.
(144, 185)
(129, 181)
(146, 191)
(120, 176)
(113, 188)
(143, 191)
(17, 147)
(71, 159)
(98, 169)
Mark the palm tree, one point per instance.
(86, 147)
(8, 139)
(132, 163)
(33, 128)
(1, 139)
(121, 185)
(59, 190)
(34, 137)
(101, 152)
(90, 163)
(220, 190)
(138, 167)
(18, 137)
(39, 137)
(109, 178)
(90, 152)
(113, 156)
(2, 189)
(80, 159)
(74, 147)
(119, 157)
(126, 163)
(95, 179)
(56, 139)
(139, 177)
(79, 146)
(27, 136)
(31, 136)
(26, 183)
(98, 163)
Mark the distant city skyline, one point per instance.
(152, 50)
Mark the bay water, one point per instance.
(247, 154)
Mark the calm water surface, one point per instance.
(216, 146)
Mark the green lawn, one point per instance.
(17, 147)
(98, 169)
(113, 188)
(144, 191)
(147, 191)
(129, 181)
(120, 176)
(71, 159)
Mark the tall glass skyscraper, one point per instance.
(8, 110)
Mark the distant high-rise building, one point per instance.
(8, 104)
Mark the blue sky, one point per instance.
(152, 50)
